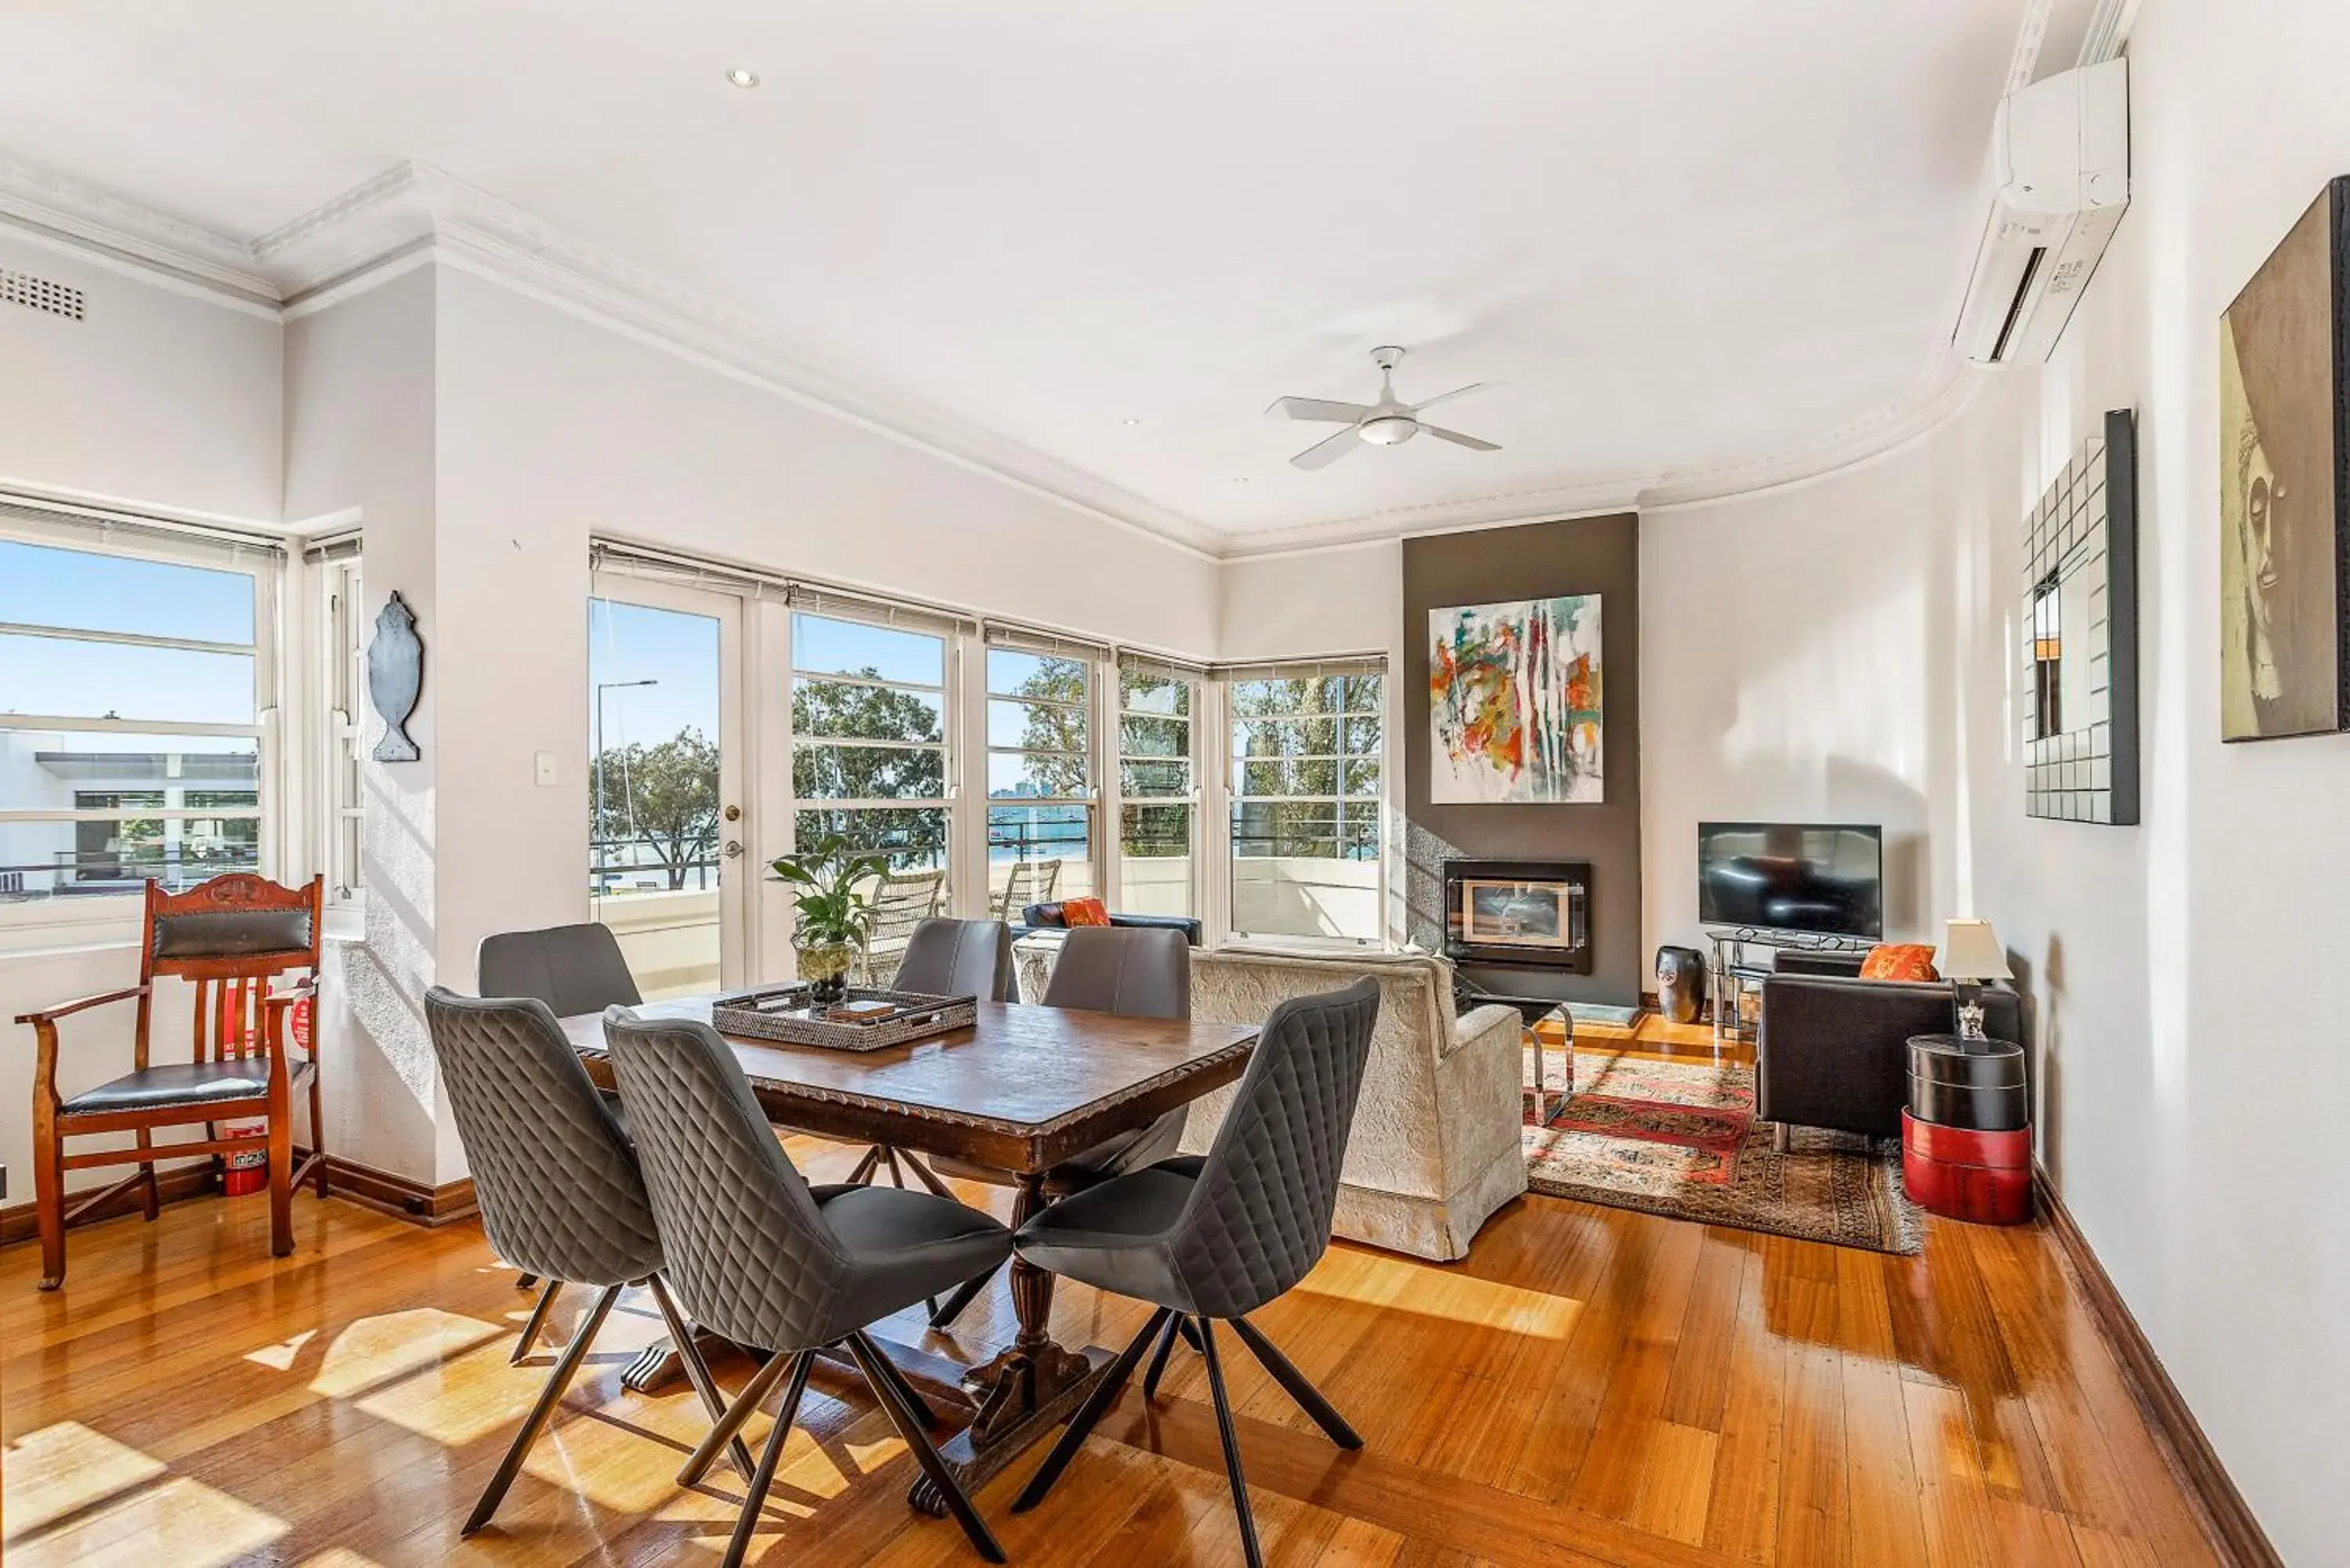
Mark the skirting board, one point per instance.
(362, 1184)
(2227, 1519)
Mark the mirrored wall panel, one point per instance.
(2080, 636)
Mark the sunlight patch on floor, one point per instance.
(182, 1522)
(61, 1468)
(281, 1357)
(374, 1350)
(1457, 1298)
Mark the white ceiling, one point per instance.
(1690, 236)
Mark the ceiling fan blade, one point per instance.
(1455, 392)
(1322, 453)
(1318, 409)
(1457, 438)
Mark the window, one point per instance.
(132, 687)
(1158, 794)
(342, 675)
(1305, 784)
(869, 750)
(1040, 780)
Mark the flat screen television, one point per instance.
(1818, 879)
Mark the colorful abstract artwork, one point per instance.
(1514, 702)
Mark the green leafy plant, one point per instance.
(827, 881)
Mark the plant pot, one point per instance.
(824, 966)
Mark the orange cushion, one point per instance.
(1094, 912)
(1899, 960)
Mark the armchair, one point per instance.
(230, 937)
(1831, 1049)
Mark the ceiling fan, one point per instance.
(1384, 423)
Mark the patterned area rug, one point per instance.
(1679, 1138)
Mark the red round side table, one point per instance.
(1966, 1136)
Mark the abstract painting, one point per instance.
(2283, 468)
(1514, 702)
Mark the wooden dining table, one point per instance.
(1024, 1089)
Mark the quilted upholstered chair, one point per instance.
(1134, 973)
(1208, 1238)
(944, 958)
(559, 1186)
(762, 1258)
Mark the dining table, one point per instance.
(1021, 1088)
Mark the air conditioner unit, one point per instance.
(2060, 169)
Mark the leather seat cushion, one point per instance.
(1113, 1236)
(904, 1245)
(190, 1083)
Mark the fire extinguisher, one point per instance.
(246, 1170)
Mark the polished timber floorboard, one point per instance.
(1591, 1387)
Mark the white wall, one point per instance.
(1842, 650)
(158, 395)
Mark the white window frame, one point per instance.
(1117, 798)
(259, 557)
(341, 812)
(1089, 656)
(1233, 765)
(828, 605)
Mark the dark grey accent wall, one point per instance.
(1536, 560)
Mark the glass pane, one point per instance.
(1157, 778)
(1285, 738)
(1151, 694)
(1363, 693)
(915, 840)
(1037, 853)
(1316, 694)
(120, 680)
(48, 769)
(1306, 869)
(1154, 737)
(829, 647)
(1362, 735)
(80, 771)
(653, 780)
(1011, 674)
(1360, 776)
(867, 772)
(44, 586)
(1314, 775)
(1155, 861)
(1012, 775)
(866, 713)
(1034, 726)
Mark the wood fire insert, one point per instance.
(1531, 914)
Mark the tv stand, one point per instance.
(1735, 969)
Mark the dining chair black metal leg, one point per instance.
(911, 1395)
(864, 1171)
(536, 1321)
(551, 1395)
(897, 1175)
(965, 1294)
(1158, 1357)
(526, 1282)
(1189, 1329)
(739, 1545)
(1224, 1429)
(697, 1370)
(927, 1177)
(747, 1404)
(926, 1454)
(1309, 1398)
(1097, 1405)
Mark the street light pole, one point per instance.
(602, 687)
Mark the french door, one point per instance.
(669, 806)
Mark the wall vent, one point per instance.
(40, 294)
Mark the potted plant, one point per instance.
(836, 915)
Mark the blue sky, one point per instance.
(75, 588)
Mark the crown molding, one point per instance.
(412, 212)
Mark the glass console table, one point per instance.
(1738, 969)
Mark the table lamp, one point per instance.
(1971, 954)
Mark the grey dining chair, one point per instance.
(1136, 972)
(573, 970)
(762, 1258)
(1208, 1238)
(944, 958)
(558, 1186)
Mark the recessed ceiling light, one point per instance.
(743, 76)
(1129, 421)
(1244, 479)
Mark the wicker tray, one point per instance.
(783, 1013)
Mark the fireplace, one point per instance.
(1533, 914)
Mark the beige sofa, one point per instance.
(1436, 1147)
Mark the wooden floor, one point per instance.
(1591, 1387)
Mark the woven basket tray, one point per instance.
(783, 1013)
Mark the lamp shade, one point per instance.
(1970, 952)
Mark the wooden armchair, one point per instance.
(229, 937)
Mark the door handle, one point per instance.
(733, 849)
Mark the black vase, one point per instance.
(1680, 983)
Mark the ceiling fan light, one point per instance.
(1390, 429)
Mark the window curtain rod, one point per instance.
(1300, 668)
(58, 513)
